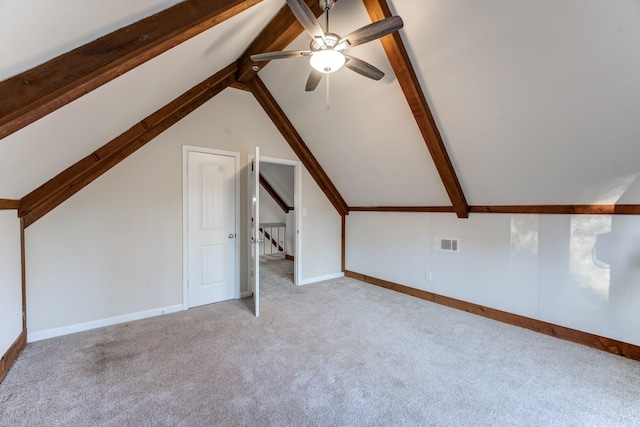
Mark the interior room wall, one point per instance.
(269, 209)
(577, 271)
(114, 250)
(321, 225)
(10, 279)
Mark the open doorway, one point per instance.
(280, 220)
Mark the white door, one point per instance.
(211, 193)
(254, 261)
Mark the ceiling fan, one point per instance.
(326, 48)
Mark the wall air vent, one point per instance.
(447, 245)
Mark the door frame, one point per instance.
(297, 208)
(185, 216)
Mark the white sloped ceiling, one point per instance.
(537, 101)
(38, 152)
(367, 142)
(281, 178)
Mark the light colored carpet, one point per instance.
(337, 353)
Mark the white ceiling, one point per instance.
(281, 179)
(537, 101)
(35, 154)
(34, 31)
(368, 142)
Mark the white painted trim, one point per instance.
(71, 329)
(185, 232)
(250, 158)
(238, 228)
(322, 278)
(297, 208)
(278, 161)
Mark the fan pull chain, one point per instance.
(327, 100)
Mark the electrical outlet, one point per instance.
(427, 276)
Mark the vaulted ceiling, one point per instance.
(536, 102)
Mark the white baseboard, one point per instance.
(321, 278)
(66, 330)
(246, 294)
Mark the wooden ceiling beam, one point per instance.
(401, 63)
(514, 209)
(274, 195)
(561, 209)
(39, 91)
(279, 118)
(240, 86)
(9, 204)
(276, 36)
(51, 194)
(401, 209)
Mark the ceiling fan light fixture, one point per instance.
(325, 48)
(327, 61)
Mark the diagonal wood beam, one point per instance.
(37, 92)
(277, 35)
(274, 195)
(279, 118)
(51, 194)
(397, 53)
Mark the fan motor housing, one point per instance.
(330, 40)
(326, 4)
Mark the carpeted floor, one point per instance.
(337, 353)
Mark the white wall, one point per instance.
(270, 211)
(578, 271)
(10, 280)
(321, 233)
(115, 248)
(281, 178)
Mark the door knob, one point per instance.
(231, 236)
